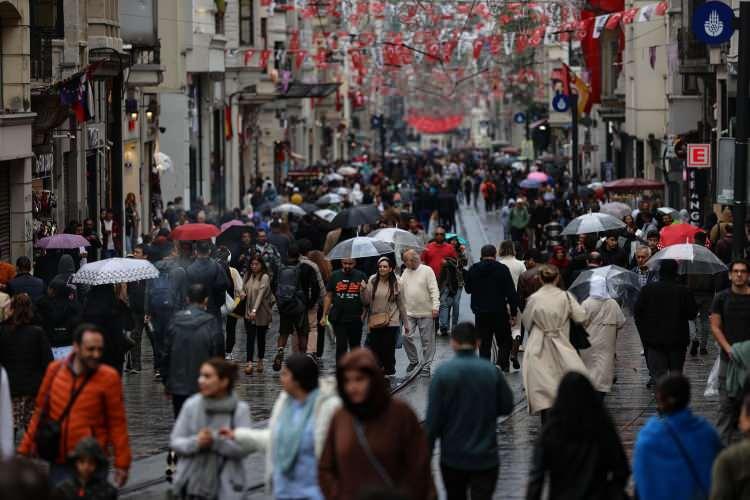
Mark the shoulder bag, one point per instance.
(49, 430)
(362, 440)
(381, 319)
(702, 493)
(579, 337)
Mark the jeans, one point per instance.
(495, 325)
(449, 305)
(425, 329)
(383, 344)
(729, 410)
(108, 254)
(661, 361)
(348, 336)
(480, 483)
(255, 334)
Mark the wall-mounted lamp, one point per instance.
(131, 107)
(151, 110)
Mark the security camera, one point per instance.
(162, 129)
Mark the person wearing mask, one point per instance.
(210, 464)
(343, 307)
(605, 322)
(258, 315)
(549, 355)
(422, 299)
(24, 282)
(494, 302)
(193, 337)
(92, 393)
(296, 432)
(436, 252)
(107, 307)
(674, 451)
(578, 448)
(661, 314)
(374, 440)
(385, 314)
(467, 395)
(645, 274)
(207, 272)
(509, 260)
(730, 317)
(729, 479)
(24, 353)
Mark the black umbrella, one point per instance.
(309, 207)
(356, 216)
(233, 235)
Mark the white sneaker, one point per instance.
(229, 357)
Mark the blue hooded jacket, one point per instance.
(661, 471)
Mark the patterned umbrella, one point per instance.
(63, 241)
(592, 223)
(115, 270)
(360, 247)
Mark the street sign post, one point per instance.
(519, 118)
(699, 156)
(713, 22)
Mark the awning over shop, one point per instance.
(299, 90)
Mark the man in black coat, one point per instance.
(207, 272)
(492, 293)
(662, 313)
(24, 282)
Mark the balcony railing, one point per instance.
(41, 54)
(146, 55)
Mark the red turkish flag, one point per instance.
(299, 58)
(478, 44)
(264, 56)
(248, 55)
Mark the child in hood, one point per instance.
(90, 475)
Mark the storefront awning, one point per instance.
(298, 90)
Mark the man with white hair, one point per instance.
(422, 298)
(645, 274)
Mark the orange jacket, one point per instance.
(99, 411)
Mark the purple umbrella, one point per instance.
(231, 223)
(62, 241)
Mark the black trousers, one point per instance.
(231, 328)
(661, 361)
(348, 336)
(494, 325)
(458, 483)
(383, 344)
(255, 334)
(177, 401)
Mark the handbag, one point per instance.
(702, 493)
(49, 430)
(378, 320)
(579, 337)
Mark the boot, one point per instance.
(278, 360)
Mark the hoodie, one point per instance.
(97, 488)
(193, 337)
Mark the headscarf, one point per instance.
(379, 396)
(559, 263)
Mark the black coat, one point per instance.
(491, 287)
(662, 313)
(103, 309)
(57, 314)
(24, 353)
(26, 283)
(213, 277)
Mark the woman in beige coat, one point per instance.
(258, 298)
(549, 354)
(386, 313)
(605, 321)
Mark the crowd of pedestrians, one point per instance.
(336, 431)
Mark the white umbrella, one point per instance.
(325, 214)
(615, 209)
(115, 270)
(347, 171)
(342, 191)
(667, 210)
(288, 208)
(692, 259)
(329, 199)
(592, 223)
(334, 177)
(359, 247)
(396, 236)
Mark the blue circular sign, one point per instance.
(713, 23)
(519, 118)
(560, 103)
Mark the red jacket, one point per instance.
(99, 411)
(435, 254)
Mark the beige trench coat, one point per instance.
(605, 320)
(549, 355)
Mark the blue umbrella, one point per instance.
(530, 184)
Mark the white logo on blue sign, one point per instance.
(713, 23)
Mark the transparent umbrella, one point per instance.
(288, 208)
(329, 199)
(325, 214)
(359, 247)
(692, 259)
(398, 237)
(616, 209)
(612, 282)
(592, 223)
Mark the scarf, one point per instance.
(291, 430)
(207, 464)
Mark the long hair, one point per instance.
(263, 267)
(392, 280)
(22, 311)
(323, 264)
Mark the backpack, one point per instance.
(160, 294)
(289, 297)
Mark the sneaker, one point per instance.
(229, 356)
(278, 360)
(694, 348)
(411, 367)
(425, 372)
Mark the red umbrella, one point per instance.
(194, 232)
(632, 184)
(677, 234)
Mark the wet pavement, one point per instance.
(631, 404)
